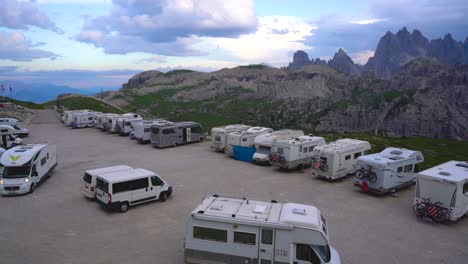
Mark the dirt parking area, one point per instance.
(57, 224)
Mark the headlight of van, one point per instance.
(1, 181)
(26, 180)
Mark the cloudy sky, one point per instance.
(89, 43)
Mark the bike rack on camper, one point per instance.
(264, 142)
(292, 153)
(338, 159)
(442, 192)
(391, 169)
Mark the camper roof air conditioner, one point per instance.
(217, 207)
(444, 173)
(396, 152)
(299, 211)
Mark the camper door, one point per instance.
(266, 249)
(187, 134)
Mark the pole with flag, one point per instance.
(11, 92)
(3, 90)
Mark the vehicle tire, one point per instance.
(163, 197)
(124, 207)
(359, 174)
(169, 192)
(32, 188)
(419, 210)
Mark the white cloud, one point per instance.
(362, 57)
(275, 38)
(368, 21)
(15, 46)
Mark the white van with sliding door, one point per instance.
(122, 189)
(89, 178)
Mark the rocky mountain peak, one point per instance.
(300, 59)
(343, 63)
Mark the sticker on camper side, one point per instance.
(15, 158)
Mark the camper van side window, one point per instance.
(311, 148)
(121, 187)
(280, 150)
(306, 253)
(244, 139)
(300, 148)
(465, 188)
(348, 157)
(43, 161)
(196, 130)
(408, 168)
(244, 238)
(168, 131)
(305, 149)
(357, 155)
(90, 118)
(211, 234)
(400, 169)
(47, 155)
(146, 130)
(139, 184)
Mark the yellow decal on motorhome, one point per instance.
(15, 158)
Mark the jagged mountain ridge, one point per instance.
(395, 50)
(428, 98)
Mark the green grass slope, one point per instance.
(26, 104)
(85, 102)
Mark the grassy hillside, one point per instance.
(85, 102)
(435, 151)
(26, 104)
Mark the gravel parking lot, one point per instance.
(56, 224)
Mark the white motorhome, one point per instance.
(338, 159)
(244, 138)
(233, 230)
(219, 135)
(84, 119)
(9, 121)
(70, 116)
(122, 189)
(89, 178)
(105, 122)
(124, 124)
(142, 130)
(8, 138)
(442, 192)
(386, 171)
(264, 142)
(16, 130)
(292, 153)
(26, 166)
(114, 122)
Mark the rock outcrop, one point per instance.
(300, 59)
(343, 63)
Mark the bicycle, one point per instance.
(433, 211)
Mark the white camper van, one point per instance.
(264, 142)
(84, 119)
(25, 167)
(232, 230)
(142, 130)
(7, 137)
(442, 192)
(89, 178)
(338, 159)
(292, 153)
(124, 124)
(70, 116)
(219, 135)
(16, 130)
(105, 122)
(245, 138)
(9, 121)
(391, 169)
(122, 189)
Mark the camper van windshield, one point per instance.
(155, 130)
(16, 172)
(263, 150)
(324, 252)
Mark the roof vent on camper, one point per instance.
(396, 158)
(300, 211)
(444, 173)
(20, 150)
(396, 152)
(217, 207)
(259, 209)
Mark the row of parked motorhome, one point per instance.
(11, 132)
(159, 132)
(438, 196)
